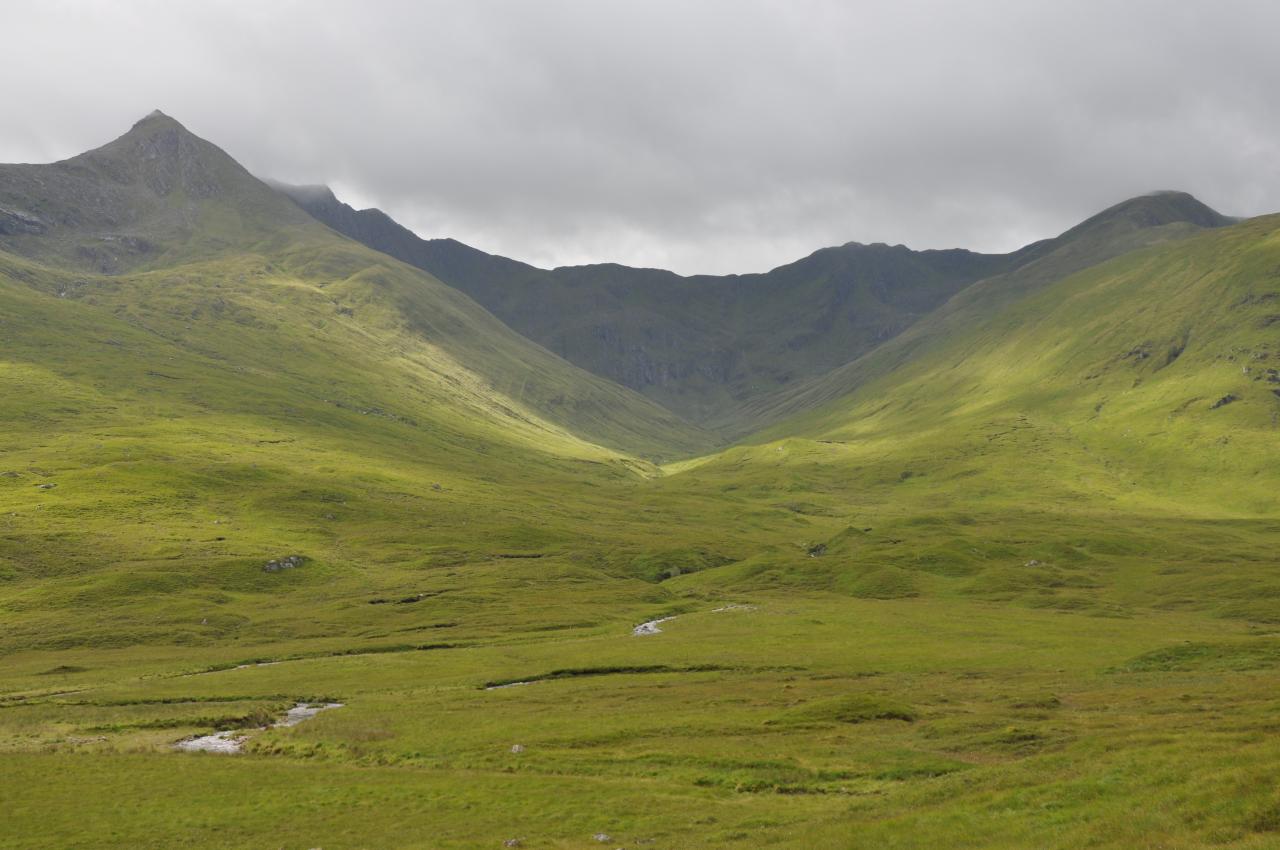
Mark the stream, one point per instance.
(232, 741)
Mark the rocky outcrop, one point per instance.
(288, 562)
(13, 221)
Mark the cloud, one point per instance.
(718, 136)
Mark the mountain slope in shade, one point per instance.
(717, 350)
(701, 346)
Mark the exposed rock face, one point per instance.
(18, 221)
(166, 158)
(1224, 401)
(288, 562)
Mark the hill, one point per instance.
(157, 195)
(717, 350)
(701, 346)
(1123, 415)
(1006, 580)
(159, 198)
(1131, 225)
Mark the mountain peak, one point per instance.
(166, 157)
(156, 120)
(1154, 209)
(157, 188)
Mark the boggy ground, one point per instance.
(810, 720)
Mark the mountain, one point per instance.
(1096, 440)
(156, 195)
(717, 350)
(1142, 222)
(1006, 579)
(160, 198)
(701, 346)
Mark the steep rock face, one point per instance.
(13, 222)
(715, 349)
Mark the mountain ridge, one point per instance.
(160, 198)
(1132, 225)
(707, 347)
(156, 194)
(1007, 579)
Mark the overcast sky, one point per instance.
(698, 135)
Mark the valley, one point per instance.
(988, 560)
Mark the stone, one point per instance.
(288, 562)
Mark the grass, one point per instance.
(1016, 590)
(801, 740)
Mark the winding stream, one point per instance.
(232, 741)
(650, 627)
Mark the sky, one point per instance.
(704, 136)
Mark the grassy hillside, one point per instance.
(1008, 581)
(1138, 223)
(162, 200)
(1103, 442)
(733, 352)
(701, 346)
(155, 196)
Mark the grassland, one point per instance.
(1016, 589)
(806, 721)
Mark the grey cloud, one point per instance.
(723, 135)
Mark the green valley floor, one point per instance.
(752, 720)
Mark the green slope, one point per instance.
(1008, 581)
(702, 346)
(261, 389)
(1104, 441)
(1128, 226)
(160, 198)
(155, 196)
(733, 352)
